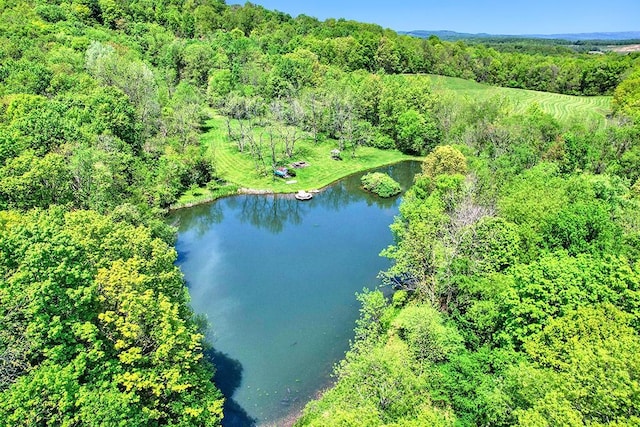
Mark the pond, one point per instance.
(276, 279)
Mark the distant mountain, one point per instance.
(453, 35)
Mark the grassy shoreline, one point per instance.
(201, 196)
(238, 171)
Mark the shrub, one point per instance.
(425, 332)
(444, 160)
(383, 142)
(381, 184)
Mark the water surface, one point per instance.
(276, 279)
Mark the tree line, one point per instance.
(101, 108)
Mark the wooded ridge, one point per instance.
(519, 243)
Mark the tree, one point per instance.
(426, 334)
(581, 227)
(298, 69)
(584, 370)
(198, 61)
(411, 132)
(95, 313)
(492, 246)
(626, 97)
(29, 181)
(208, 17)
(134, 78)
(108, 110)
(419, 249)
(219, 86)
(558, 283)
(316, 113)
(183, 116)
(40, 123)
(101, 178)
(444, 159)
(381, 184)
(387, 57)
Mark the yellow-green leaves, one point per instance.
(95, 321)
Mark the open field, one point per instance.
(238, 169)
(625, 49)
(563, 107)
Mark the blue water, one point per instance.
(276, 279)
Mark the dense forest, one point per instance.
(517, 254)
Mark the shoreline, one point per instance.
(294, 415)
(269, 191)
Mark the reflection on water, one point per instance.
(276, 279)
(198, 219)
(272, 213)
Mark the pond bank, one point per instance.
(189, 200)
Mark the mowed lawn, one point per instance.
(239, 168)
(562, 107)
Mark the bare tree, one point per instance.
(462, 220)
(256, 149)
(342, 123)
(287, 116)
(273, 149)
(314, 115)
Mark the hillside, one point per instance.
(601, 36)
(562, 107)
(111, 112)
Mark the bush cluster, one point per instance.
(381, 184)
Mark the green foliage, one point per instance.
(381, 184)
(218, 86)
(626, 97)
(370, 324)
(424, 331)
(444, 160)
(415, 133)
(376, 388)
(530, 200)
(584, 370)
(95, 317)
(581, 227)
(28, 181)
(577, 152)
(492, 246)
(558, 283)
(39, 123)
(399, 298)
(471, 382)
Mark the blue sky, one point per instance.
(489, 16)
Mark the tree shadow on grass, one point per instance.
(228, 378)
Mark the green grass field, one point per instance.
(239, 171)
(562, 107)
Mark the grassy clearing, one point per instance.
(238, 168)
(197, 196)
(562, 107)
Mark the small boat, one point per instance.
(303, 195)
